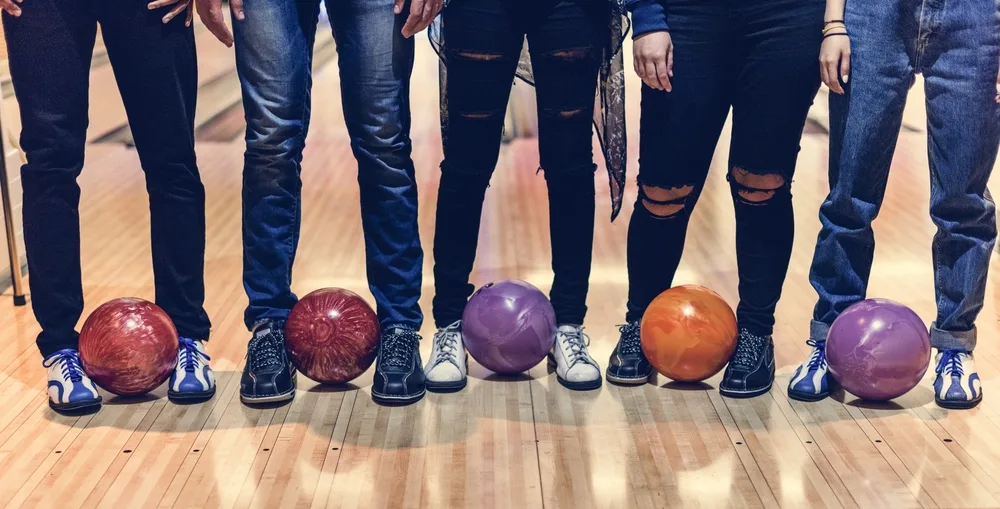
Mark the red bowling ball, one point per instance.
(128, 346)
(332, 335)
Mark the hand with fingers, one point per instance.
(653, 59)
(185, 6)
(11, 7)
(422, 13)
(835, 56)
(214, 18)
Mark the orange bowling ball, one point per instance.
(688, 333)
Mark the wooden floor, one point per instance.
(512, 443)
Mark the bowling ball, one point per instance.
(509, 326)
(688, 333)
(878, 349)
(128, 346)
(332, 335)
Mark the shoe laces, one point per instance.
(265, 350)
(630, 342)
(749, 348)
(190, 356)
(446, 344)
(397, 347)
(818, 358)
(950, 363)
(69, 364)
(576, 343)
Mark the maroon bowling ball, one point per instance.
(128, 346)
(332, 335)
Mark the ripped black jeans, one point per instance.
(761, 59)
(484, 40)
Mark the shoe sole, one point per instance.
(959, 405)
(188, 397)
(73, 407)
(589, 385)
(447, 386)
(745, 394)
(389, 400)
(259, 400)
(626, 380)
(809, 397)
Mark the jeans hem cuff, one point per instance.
(818, 330)
(953, 340)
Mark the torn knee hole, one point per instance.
(572, 54)
(662, 211)
(756, 188)
(479, 56)
(478, 115)
(665, 202)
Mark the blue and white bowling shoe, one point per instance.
(193, 378)
(69, 387)
(957, 385)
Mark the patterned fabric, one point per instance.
(609, 118)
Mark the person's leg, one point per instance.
(274, 46)
(960, 62)
(53, 102)
(156, 69)
(566, 49)
(483, 46)
(864, 127)
(678, 134)
(778, 80)
(375, 64)
(50, 47)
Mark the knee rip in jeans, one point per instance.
(755, 188)
(480, 115)
(663, 203)
(572, 53)
(475, 55)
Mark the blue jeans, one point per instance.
(956, 45)
(274, 47)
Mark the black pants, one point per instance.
(484, 40)
(155, 65)
(761, 59)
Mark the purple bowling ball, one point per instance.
(878, 349)
(509, 326)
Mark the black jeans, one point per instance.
(761, 59)
(484, 40)
(155, 65)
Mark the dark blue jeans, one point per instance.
(155, 65)
(956, 45)
(274, 58)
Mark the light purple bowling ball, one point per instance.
(509, 326)
(878, 349)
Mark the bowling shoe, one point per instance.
(750, 372)
(628, 365)
(957, 385)
(268, 376)
(575, 368)
(448, 366)
(811, 381)
(193, 378)
(69, 387)
(399, 374)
